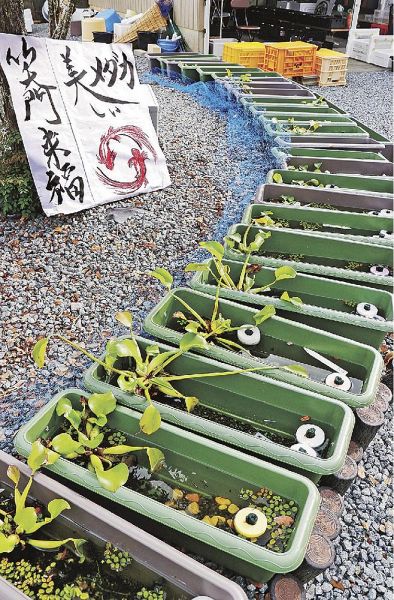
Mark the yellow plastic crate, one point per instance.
(335, 78)
(248, 54)
(329, 61)
(291, 59)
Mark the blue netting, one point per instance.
(249, 146)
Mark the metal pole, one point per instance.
(221, 19)
(207, 24)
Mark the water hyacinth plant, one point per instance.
(145, 376)
(291, 126)
(18, 527)
(246, 281)
(84, 437)
(212, 329)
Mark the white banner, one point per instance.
(87, 138)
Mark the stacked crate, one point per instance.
(248, 54)
(291, 59)
(331, 67)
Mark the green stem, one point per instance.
(223, 274)
(243, 272)
(261, 289)
(222, 374)
(167, 362)
(191, 310)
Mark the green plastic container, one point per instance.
(206, 73)
(339, 199)
(337, 129)
(173, 68)
(345, 166)
(373, 185)
(190, 70)
(346, 154)
(299, 105)
(174, 57)
(213, 468)
(283, 342)
(328, 222)
(247, 399)
(342, 259)
(328, 304)
(332, 141)
(283, 118)
(222, 78)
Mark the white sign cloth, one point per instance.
(88, 139)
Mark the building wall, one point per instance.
(188, 15)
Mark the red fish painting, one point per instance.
(107, 156)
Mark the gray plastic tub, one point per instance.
(182, 571)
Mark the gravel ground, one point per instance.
(71, 274)
(368, 97)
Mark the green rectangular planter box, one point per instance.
(320, 257)
(221, 78)
(213, 468)
(284, 341)
(333, 142)
(347, 154)
(248, 399)
(374, 185)
(330, 223)
(328, 304)
(162, 58)
(375, 168)
(154, 59)
(283, 118)
(153, 558)
(343, 199)
(257, 108)
(190, 70)
(205, 73)
(337, 129)
(173, 68)
(284, 104)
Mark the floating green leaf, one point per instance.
(277, 178)
(111, 479)
(293, 300)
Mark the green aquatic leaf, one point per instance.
(125, 317)
(285, 273)
(163, 276)
(277, 178)
(39, 352)
(150, 420)
(214, 248)
(192, 340)
(111, 479)
(265, 313)
(191, 402)
(102, 404)
(156, 458)
(64, 444)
